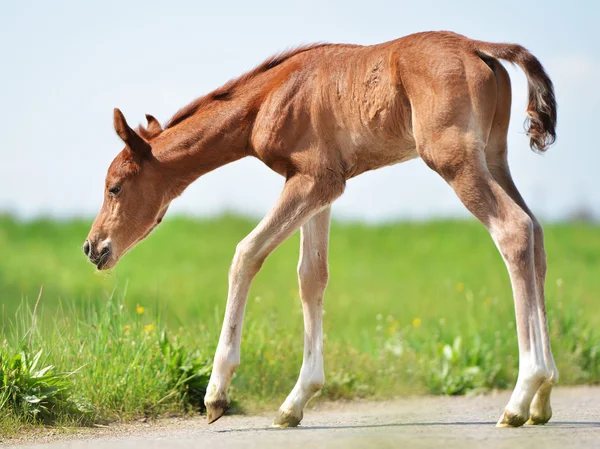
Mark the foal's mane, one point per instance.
(226, 91)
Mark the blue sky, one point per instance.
(66, 65)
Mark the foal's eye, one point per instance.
(115, 190)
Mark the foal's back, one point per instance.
(351, 109)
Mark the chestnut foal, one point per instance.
(320, 115)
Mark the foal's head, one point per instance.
(134, 196)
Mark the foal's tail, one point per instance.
(541, 109)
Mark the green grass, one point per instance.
(410, 308)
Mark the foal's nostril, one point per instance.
(86, 248)
(105, 250)
(104, 257)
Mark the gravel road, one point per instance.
(420, 422)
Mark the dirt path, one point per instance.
(430, 422)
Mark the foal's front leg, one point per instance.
(301, 198)
(312, 277)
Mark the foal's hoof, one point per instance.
(216, 409)
(540, 417)
(540, 411)
(287, 419)
(537, 420)
(511, 420)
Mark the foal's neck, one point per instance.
(213, 137)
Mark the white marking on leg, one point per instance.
(514, 239)
(511, 228)
(301, 198)
(312, 276)
(540, 409)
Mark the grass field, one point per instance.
(410, 308)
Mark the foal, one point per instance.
(320, 115)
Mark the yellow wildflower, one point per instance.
(139, 309)
(392, 328)
(416, 322)
(460, 287)
(126, 328)
(148, 327)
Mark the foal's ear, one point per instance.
(154, 127)
(132, 139)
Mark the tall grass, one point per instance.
(410, 309)
(33, 391)
(127, 365)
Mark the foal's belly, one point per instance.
(371, 154)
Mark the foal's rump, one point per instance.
(455, 83)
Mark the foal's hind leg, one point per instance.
(541, 411)
(312, 277)
(496, 158)
(462, 165)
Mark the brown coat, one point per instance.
(320, 115)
